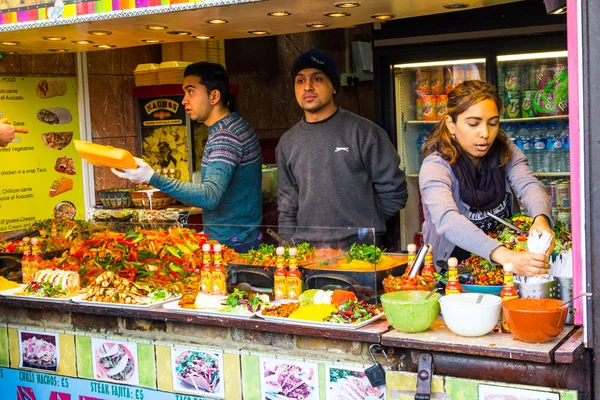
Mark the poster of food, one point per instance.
(115, 361)
(40, 173)
(288, 380)
(39, 350)
(198, 372)
(351, 384)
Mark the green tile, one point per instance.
(4, 360)
(462, 389)
(322, 382)
(250, 378)
(146, 365)
(83, 349)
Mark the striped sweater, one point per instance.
(230, 193)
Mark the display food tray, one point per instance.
(174, 306)
(79, 300)
(329, 325)
(10, 293)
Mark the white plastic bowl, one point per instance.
(465, 318)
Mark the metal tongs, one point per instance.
(279, 239)
(511, 226)
(419, 260)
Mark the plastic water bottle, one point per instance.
(553, 149)
(524, 143)
(421, 139)
(511, 132)
(538, 148)
(565, 157)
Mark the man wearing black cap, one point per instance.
(336, 169)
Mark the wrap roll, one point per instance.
(47, 88)
(54, 115)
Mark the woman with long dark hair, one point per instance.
(472, 168)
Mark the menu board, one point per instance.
(40, 172)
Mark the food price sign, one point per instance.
(27, 385)
(40, 172)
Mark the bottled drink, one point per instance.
(524, 143)
(428, 268)
(453, 286)
(280, 279)
(294, 277)
(538, 148)
(553, 149)
(219, 280)
(206, 284)
(421, 139)
(511, 132)
(412, 255)
(508, 292)
(565, 157)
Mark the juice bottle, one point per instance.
(25, 262)
(294, 277)
(206, 285)
(508, 292)
(428, 268)
(219, 280)
(453, 286)
(412, 255)
(280, 279)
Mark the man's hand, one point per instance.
(7, 132)
(141, 174)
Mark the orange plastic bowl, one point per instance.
(535, 320)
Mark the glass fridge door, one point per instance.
(421, 95)
(534, 89)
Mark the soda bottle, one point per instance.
(280, 278)
(294, 277)
(553, 148)
(508, 292)
(421, 139)
(453, 286)
(412, 255)
(206, 284)
(219, 280)
(565, 157)
(428, 268)
(27, 276)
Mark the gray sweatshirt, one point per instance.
(446, 224)
(340, 172)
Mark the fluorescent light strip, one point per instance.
(436, 63)
(533, 56)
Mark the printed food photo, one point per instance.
(115, 361)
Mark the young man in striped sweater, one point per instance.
(230, 194)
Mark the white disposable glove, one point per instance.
(141, 174)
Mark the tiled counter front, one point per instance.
(245, 346)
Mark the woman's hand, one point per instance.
(540, 224)
(524, 262)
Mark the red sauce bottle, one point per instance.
(453, 286)
(508, 292)
(428, 268)
(27, 276)
(412, 255)
(219, 278)
(280, 289)
(294, 277)
(206, 284)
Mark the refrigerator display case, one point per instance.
(533, 86)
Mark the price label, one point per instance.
(139, 394)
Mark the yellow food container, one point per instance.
(104, 156)
(171, 72)
(146, 74)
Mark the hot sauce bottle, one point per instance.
(26, 262)
(219, 279)
(280, 279)
(453, 286)
(206, 284)
(36, 259)
(508, 292)
(294, 277)
(428, 268)
(412, 255)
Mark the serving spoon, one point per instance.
(575, 298)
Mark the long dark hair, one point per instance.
(459, 100)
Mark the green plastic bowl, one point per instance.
(408, 311)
